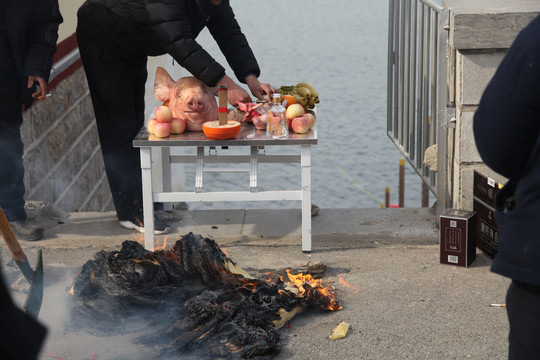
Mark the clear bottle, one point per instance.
(276, 127)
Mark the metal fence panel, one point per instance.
(417, 66)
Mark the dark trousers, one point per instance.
(117, 88)
(523, 306)
(11, 147)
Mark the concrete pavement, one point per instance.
(401, 302)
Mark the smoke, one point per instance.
(83, 342)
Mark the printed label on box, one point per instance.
(489, 238)
(453, 239)
(484, 193)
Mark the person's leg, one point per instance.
(117, 89)
(523, 306)
(11, 154)
(113, 85)
(11, 157)
(11, 147)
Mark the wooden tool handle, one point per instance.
(11, 240)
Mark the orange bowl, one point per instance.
(212, 129)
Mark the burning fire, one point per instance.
(300, 286)
(309, 286)
(138, 237)
(214, 299)
(162, 247)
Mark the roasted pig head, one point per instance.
(188, 98)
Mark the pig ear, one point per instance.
(163, 84)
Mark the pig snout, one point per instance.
(196, 109)
(195, 105)
(189, 99)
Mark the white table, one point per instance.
(248, 136)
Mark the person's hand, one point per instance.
(259, 90)
(41, 93)
(235, 92)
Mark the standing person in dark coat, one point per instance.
(28, 35)
(115, 39)
(507, 133)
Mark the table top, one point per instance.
(248, 136)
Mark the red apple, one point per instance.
(151, 124)
(177, 125)
(294, 110)
(162, 129)
(311, 119)
(300, 124)
(163, 113)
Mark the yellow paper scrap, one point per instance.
(340, 331)
(235, 269)
(287, 315)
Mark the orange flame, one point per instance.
(344, 282)
(136, 236)
(250, 286)
(162, 247)
(309, 286)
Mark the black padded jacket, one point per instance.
(32, 32)
(507, 134)
(136, 29)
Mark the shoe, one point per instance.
(23, 230)
(160, 227)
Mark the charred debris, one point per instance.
(190, 299)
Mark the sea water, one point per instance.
(339, 47)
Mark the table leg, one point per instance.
(199, 169)
(148, 203)
(166, 176)
(253, 169)
(305, 163)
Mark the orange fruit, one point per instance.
(290, 100)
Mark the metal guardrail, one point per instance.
(65, 62)
(417, 88)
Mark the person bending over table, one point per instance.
(115, 39)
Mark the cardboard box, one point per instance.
(484, 192)
(458, 237)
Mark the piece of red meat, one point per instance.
(250, 110)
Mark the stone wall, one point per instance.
(63, 161)
(481, 32)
